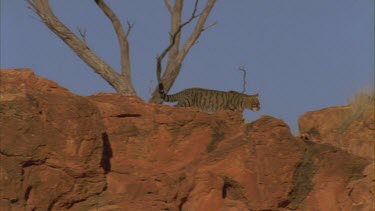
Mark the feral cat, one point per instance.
(211, 100)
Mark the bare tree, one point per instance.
(176, 55)
(122, 83)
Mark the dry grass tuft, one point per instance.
(362, 104)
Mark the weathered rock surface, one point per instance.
(51, 144)
(60, 151)
(332, 126)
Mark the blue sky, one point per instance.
(300, 55)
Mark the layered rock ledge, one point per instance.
(61, 151)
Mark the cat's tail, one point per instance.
(165, 97)
(161, 91)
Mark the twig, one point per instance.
(243, 69)
(82, 33)
(209, 26)
(33, 8)
(130, 27)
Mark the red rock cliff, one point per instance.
(336, 126)
(60, 151)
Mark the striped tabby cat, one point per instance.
(211, 100)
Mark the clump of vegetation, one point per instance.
(362, 104)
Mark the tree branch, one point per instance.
(121, 36)
(178, 31)
(121, 84)
(172, 71)
(243, 69)
(83, 33)
(160, 58)
(168, 5)
(175, 24)
(176, 56)
(209, 26)
(130, 27)
(199, 28)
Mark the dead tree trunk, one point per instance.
(120, 82)
(176, 55)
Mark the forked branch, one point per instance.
(177, 55)
(121, 36)
(121, 83)
(82, 32)
(130, 27)
(169, 6)
(199, 28)
(160, 58)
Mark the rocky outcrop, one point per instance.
(51, 144)
(60, 151)
(339, 126)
